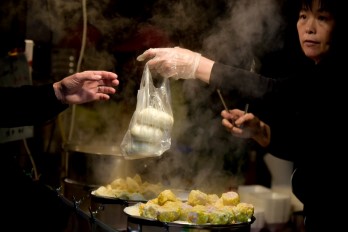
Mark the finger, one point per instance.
(236, 131)
(226, 114)
(106, 82)
(240, 122)
(107, 75)
(108, 90)
(105, 90)
(226, 123)
(150, 53)
(103, 97)
(141, 57)
(223, 113)
(96, 75)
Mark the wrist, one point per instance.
(58, 92)
(196, 61)
(263, 137)
(204, 68)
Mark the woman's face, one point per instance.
(315, 29)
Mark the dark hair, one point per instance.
(327, 5)
(338, 10)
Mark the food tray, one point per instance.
(113, 200)
(134, 216)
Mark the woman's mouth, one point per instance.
(310, 43)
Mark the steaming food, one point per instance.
(156, 118)
(149, 134)
(146, 133)
(197, 197)
(219, 216)
(166, 196)
(169, 212)
(130, 189)
(149, 210)
(213, 198)
(243, 211)
(198, 215)
(185, 209)
(230, 198)
(201, 208)
(141, 148)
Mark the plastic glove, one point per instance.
(178, 63)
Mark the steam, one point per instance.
(251, 28)
(245, 31)
(232, 32)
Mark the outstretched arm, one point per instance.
(85, 87)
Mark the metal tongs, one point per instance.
(246, 108)
(222, 99)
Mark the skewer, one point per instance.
(222, 99)
(246, 108)
(224, 104)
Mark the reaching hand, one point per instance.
(177, 62)
(246, 125)
(85, 87)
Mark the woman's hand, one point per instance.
(86, 86)
(246, 125)
(177, 63)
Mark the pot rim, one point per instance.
(93, 149)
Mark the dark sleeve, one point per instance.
(241, 82)
(28, 105)
(274, 95)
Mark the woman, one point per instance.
(301, 126)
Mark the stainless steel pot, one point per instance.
(100, 165)
(110, 210)
(95, 165)
(78, 193)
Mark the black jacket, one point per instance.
(305, 109)
(28, 105)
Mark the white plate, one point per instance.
(133, 211)
(112, 199)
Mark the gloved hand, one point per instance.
(178, 63)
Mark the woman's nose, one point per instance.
(309, 30)
(310, 26)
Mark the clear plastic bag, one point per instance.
(149, 131)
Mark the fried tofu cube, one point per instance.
(166, 195)
(198, 215)
(230, 198)
(184, 210)
(169, 212)
(244, 211)
(197, 197)
(149, 210)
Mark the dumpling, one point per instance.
(146, 133)
(157, 118)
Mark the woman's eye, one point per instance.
(323, 18)
(302, 16)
